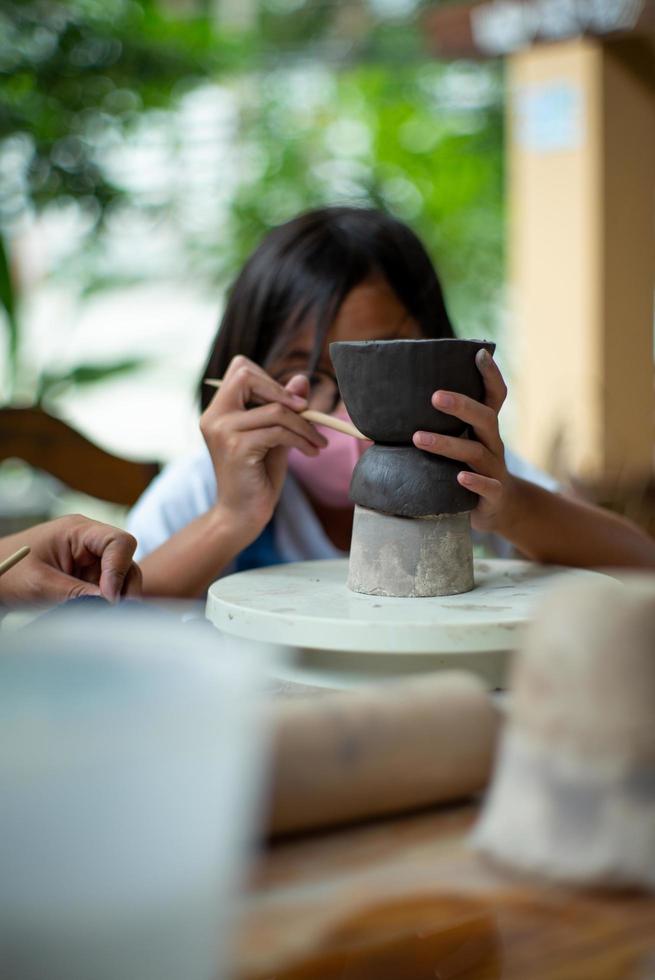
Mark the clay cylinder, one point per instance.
(410, 557)
(354, 754)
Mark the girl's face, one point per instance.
(370, 311)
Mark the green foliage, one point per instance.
(333, 107)
(393, 139)
(71, 70)
(8, 302)
(53, 383)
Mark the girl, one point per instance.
(336, 274)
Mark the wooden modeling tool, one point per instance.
(13, 559)
(318, 418)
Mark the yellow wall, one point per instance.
(582, 257)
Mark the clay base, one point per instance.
(410, 557)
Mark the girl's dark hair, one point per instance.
(303, 271)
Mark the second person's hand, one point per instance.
(71, 557)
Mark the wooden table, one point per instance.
(406, 899)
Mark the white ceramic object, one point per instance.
(573, 795)
(129, 766)
(339, 638)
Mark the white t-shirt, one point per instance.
(186, 489)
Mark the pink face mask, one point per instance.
(326, 477)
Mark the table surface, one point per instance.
(406, 899)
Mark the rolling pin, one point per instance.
(351, 755)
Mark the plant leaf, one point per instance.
(53, 382)
(8, 300)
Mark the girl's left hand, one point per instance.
(485, 454)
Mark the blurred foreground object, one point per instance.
(128, 764)
(573, 796)
(396, 746)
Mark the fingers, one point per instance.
(494, 384)
(114, 550)
(257, 443)
(133, 584)
(468, 451)
(482, 418)
(74, 556)
(486, 487)
(298, 385)
(251, 434)
(485, 454)
(275, 414)
(245, 382)
(116, 564)
(53, 585)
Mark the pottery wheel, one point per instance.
(339, 638)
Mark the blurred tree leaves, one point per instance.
(53, 383)
(70, 69)
(334, 105)
(68, 72)
(8, 300)
(422, 140)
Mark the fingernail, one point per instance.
(298, 401)
(483, 358)
(425, 438)
(444, 400)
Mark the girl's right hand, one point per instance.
(249, 446)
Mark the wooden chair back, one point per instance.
(50, 444)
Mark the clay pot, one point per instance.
(387, 385)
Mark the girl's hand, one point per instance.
(248, 446)
(485, 454)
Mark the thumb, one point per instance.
(115, 565)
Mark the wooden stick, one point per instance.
(318, 418)
(13, 559)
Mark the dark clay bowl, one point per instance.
(387, 385)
